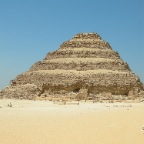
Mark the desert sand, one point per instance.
(42, 122)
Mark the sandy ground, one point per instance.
(42, 122)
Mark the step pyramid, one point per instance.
(85, 64)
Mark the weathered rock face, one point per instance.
(27, 91)
(86, 62)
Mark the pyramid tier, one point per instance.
(96, 81)
(85, 44)
(87, 36)
(81, 64)
(82, 53)
(86, 40)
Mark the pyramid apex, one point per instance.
(87, 35)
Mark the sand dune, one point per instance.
(42, 122)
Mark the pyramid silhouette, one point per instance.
(84, 65)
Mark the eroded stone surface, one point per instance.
(85, 66)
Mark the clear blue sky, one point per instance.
(29, 29)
